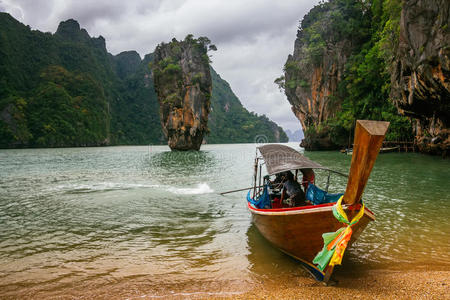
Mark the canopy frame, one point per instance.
(280, 158)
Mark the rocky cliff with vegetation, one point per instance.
(421, 72)
(315, 69)
(65, 89)
(376, 59)
(183, 85)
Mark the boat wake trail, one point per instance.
(99, 187)
(201, 188)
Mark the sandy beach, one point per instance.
(376, 284)
(422, 283)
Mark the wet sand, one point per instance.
(376, 284)
(422, 283)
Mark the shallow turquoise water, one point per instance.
(148, 219)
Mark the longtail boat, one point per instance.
(382, 150)
(389, 149)
(316, 234)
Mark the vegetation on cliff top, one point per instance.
(168, 73)
(65, 89)
(371, 28)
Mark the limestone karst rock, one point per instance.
(420, 77)
(182, 79)
(311, 78)
(384, 63)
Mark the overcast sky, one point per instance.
(253, 37)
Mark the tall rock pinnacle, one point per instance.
(183, 84)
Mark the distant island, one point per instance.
(296, 136)
(65, 90)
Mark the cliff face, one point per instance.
(421, 73)
(312, 74)
(183, 85)
(310, 88)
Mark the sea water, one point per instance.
(142, 221)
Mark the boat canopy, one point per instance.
(281, 158)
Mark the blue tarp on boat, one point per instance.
(262, 201)
(313, 194)
(318, 196)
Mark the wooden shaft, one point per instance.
(255, 175)
(239, 190)
(260, 171)
(369, 137)
(329, 271)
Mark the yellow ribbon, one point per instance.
(341, 241)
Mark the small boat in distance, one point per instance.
(389, 149)
(382, 150)
(316, 234)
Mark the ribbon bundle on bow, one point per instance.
(335, 243)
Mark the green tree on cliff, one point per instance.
(65, 89)
(371, 28)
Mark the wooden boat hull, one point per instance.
(390, 149)
(382, 150)
(298, 231)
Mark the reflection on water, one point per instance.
(183, 162)
(133, 221)
(410, 196)
(266, 262)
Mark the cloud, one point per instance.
(253, 37)
(13, 9)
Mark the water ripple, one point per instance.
(113, 215)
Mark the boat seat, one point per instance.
(317, 196)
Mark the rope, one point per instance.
(335, 243)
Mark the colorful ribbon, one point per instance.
(335, 243)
